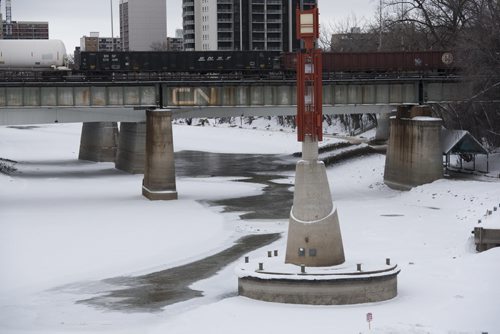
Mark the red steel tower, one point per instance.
(309, 77)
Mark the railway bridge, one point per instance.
(125, 101)
(146, 108)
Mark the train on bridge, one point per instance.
(42, 60)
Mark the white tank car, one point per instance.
(31, 53)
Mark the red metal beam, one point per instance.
(309, 78)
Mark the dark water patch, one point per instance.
(7, 166)
(275, 202)
(194, 163)
(392, 215)
(152, 292)
(26, 127)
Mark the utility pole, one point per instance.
(381, 26)
(8, 19)
(112, 27)
(1, 21)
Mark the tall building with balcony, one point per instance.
(241, 24)
(188, 24)
(142, 23)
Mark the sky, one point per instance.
(71, 19)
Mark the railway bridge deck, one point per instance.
(67, 102)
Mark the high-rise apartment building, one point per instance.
(241, 24)
(142, 23)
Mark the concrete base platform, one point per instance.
(159, 195)
(269, 279)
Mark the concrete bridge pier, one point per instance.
(99, 141)
(159, 170)
(383, 127)
(131, 148)
(414, 155)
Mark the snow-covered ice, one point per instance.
(66, 224)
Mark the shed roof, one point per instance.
(460, 141)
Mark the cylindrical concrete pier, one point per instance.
(99, 141)
(159, 170)
(131, 148)
(414, 154)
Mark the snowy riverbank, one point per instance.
(67, 224)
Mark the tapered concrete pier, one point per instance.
(314, 237)
(99, 141)
(159, 170)
(314, 270)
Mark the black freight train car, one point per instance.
(179, 62)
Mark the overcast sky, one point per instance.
(71, 19)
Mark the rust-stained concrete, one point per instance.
(159, 169)
(414, 154)
(99, 141)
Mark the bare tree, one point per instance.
(350, 35)
(478, 54)
(441, 20)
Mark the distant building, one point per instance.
(94, 43)
(1, 25)
(354, 41)
(90, 43)
(175, 44)
(110, 44)
(241, 25)
(142, 23)
(27, 30)
(179, 33)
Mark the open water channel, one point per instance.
(152, 292)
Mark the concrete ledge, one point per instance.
(339, 291)
(159, 195)
(398, 186)
(486, 238)
(270, 279)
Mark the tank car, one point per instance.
(31, 54)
